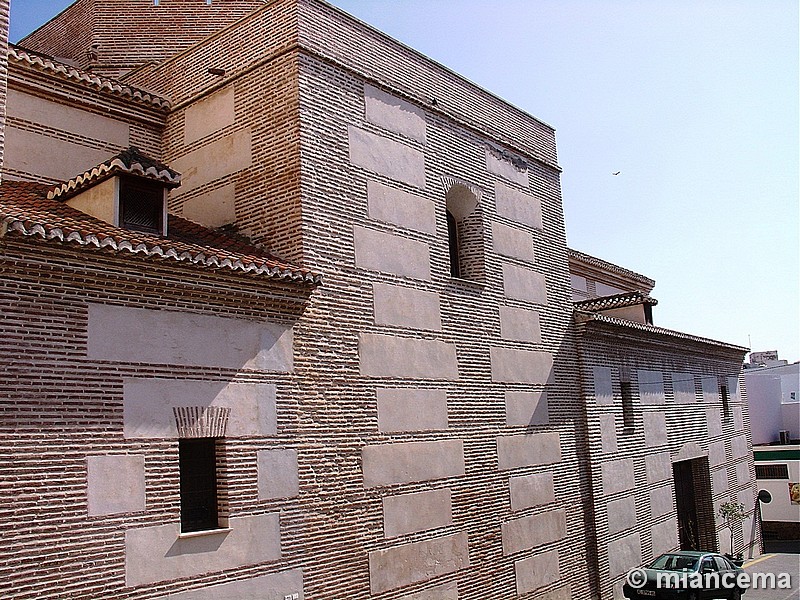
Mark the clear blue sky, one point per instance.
(694, 101)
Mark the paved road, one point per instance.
(775, 563)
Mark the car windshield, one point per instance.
(674, 562)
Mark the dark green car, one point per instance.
(686, 575)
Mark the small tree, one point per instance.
(731, 513)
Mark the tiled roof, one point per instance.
(615, 301)
(112, 86)
(588, 317)
(25, 210)
(607, 266)
(130, 161)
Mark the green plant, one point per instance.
(732, 513)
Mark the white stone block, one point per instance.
(664, 536)
(512, 242)
(608, 433)
(651, 387)
(148, 406)
(617, 476)
(123, 334)
(115, 484)
(521, 283)
(212, 209)
(394, 114)
(719, 482)
(714, 420)
(222, 157)
(448, 591)
(277, 474)
(510, 365)
(388, 253)
(46, 156)
(660, 501)
(70, 119)
(621, 514)
(716, 453)
(655, 428)
(623, 553)
(420, 511)
(420, 561)
(519, 324)
(531, 490)
(528, 450)
(603, 390)
(158, 553)
(210, 114)
(518, 206)
(386, 157)
(276, 586)
(406, 307)
(739, 447)
(412, 358)
(411, 409)
(524, 409)
(738, 418)
(710, 387)
(400, 208)
(658, 466)
(683, 388)
(528, 532)
(506, 169)
(406, 462)
(536, 571)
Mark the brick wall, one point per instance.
(4, 11)
(61, 123)
(62, 406)
(111, 38)
(675, 418)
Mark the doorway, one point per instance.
(694, 506)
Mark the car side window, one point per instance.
(722, 564)
(708, 565)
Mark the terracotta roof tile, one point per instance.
(26, 210)
(130, 161)
(44, 63)
(586, 318)
(577, 256)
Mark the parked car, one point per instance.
(685, 575)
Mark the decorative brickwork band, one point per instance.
(201, 421)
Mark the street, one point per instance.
(775, 563)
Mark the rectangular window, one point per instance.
(627, 404)
(772, 472)
(141, 206)
(198, 468)
(726, 405)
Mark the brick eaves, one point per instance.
(598, 263)
(587, 319)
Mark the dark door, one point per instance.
(688, 533)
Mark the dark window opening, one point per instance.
(452, 238)
(141, 206)
(198, 469)
(627, 404)
(772, 472)
(648, 314)
(726, 405)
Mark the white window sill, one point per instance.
(204, 533)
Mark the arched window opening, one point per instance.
(464, 233)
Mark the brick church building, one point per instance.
(288, 312)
